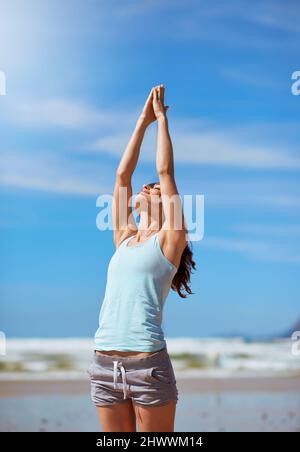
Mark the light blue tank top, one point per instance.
(138, 281)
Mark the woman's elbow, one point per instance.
(165, 171)
(123, 173)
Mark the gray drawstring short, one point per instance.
(148, 381)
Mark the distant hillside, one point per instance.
(289, 332)
(261, 337)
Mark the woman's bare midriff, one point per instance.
(121, 353)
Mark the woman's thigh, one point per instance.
(118, 417)
(155, 418)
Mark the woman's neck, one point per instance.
(146, 226)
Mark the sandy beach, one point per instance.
(223, 384)
(206, 404)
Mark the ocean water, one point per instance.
(191, 358)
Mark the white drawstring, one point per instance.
(115, 374)
(123, 377)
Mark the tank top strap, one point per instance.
(151, 239)
(124, 242)
(162, 256)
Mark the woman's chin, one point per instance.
(142, 197)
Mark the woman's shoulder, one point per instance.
(172, 244)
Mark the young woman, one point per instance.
(132, 377)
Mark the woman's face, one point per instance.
(150, 193)
(151, 189)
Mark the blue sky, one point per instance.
(77, 75)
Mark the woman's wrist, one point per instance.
(142, 122)
(161, 117)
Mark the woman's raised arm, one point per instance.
(174, 229)
(123, 220)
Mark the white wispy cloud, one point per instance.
(277, 15)
(254, 78)
(207, 146)
(64, 113)
(283, 200)
(255, 249)
(265, 13)
(239, 197)
(195, 140)
(51, 172)
(239, 24)
(268, 230)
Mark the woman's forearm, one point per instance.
(131, 154)
(164, 154)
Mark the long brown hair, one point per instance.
(182, 278)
